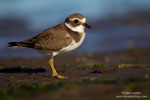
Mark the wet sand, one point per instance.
(97, 76)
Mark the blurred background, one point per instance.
(116, 24)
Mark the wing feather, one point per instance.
(52, 39)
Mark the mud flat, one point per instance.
(107, 76)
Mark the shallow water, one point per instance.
(108, 37)
(115, 38)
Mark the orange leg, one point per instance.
(54, 73)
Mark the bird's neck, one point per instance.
(75, 35)
(79, 28)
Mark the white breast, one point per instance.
(73, 45)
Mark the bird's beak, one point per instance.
(86, 25)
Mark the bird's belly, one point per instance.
(73, 45)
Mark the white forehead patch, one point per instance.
(83, 20)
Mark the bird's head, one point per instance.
(76, 22)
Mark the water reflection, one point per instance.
(115, 25)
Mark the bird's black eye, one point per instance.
(76, 21)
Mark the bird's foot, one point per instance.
(59, 76)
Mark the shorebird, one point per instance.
(58, 39)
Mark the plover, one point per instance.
(58, 39)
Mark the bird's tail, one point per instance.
(21, 44)
(12, 44)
